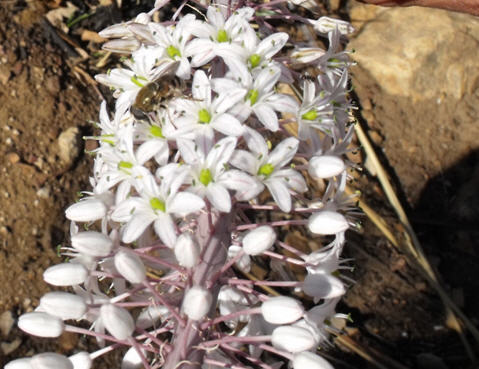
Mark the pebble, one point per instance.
(13, 157)
(6, 322)
(43, 193)
(69, 145)
(9, 347)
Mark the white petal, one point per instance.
(283, 103)
(151, 315)
(246, 187)
(259, 240)
(136, 226)
(202, 51)
(280, 193)
(227, 124)
(309, 360)
(132, 359)
(124, 211)
(165, 229)
(323, 286)
(267, 78)
(284, 152)
(117, 321)
(272, 44)
(185, 203)
(219, 197)
(292, 339)
(293, 179)
(23, 363)
(267, 116)
(189, 151)
(220, 154)
(201, 88)
(197, 302)
(327, 222)
(63, 305)
(256, 142)
(245, 161)
(244, 262)
(41, 324)
(147, 150)
(228, 98)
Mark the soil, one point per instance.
(47, 101)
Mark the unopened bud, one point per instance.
(197, 302)
(81, 360)
(292, 339)
(327, 24)
(63, 305)
(186, 251)
(65, 274)
(324, 286)
(117, 321)
(282, 310)
(259, 240)
(132, 359)
(92, 243)
(49, 360)
(23, 363)
(308, 360)
(244, 262)
(86, 211)
(327, 222)
(41, 324)
(130, 266)
(326, 166)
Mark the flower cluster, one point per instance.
(207, 157)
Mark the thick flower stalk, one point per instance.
(207, 161)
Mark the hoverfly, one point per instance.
(154, 94)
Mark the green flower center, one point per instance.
(205, 177)
(156, 132)
(136, 80)
(204, 116)
(125, 165)
(222, 36)
(173, 52)
(252, 96)
(310, 115)
(157, 204)
(254, 60)
(266, 169)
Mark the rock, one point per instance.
(6, 322)
(13, 157)
(69, 145)
(8, 347)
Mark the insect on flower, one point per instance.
(156, 93)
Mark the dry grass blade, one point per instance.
(413, 246)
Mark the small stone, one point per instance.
(69, 143)
(4, 75)
(13, 157)
(9, 347)
(6, 322)
(44, 193)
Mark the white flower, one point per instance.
(173, 40)
(327, 222)
(218, 36)
(267, 167)
(48, 360)
(157, 205)
(258, 53)
(259, 90)
(92, 243)
(292, 339)
(325, 166)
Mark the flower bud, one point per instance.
(86, 211)
(127, 45)
(23, 363)
(117, 321)
(327, 24)
(325, 166)
(132, 360)
(282, 310)
(308, 360)
(186, 251)
(63, 305)
(197, 302)
(81, 360)
(92, 243)
(49, 360)
(327, 222)
(292, 339)
(259, 240)
(41, 324)
(65, 274)
(244, 262)
(150, 316)
(130, 266)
